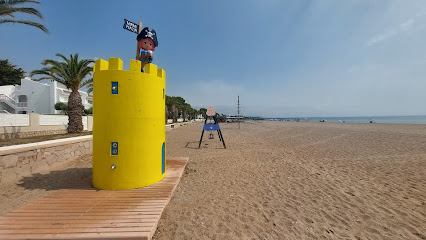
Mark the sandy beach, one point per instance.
(282, 180)
(287, 180)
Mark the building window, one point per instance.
(22, 98)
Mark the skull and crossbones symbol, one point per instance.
(149, 34)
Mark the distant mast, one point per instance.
(238, 107)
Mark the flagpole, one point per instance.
(137, 47)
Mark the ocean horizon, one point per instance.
(419, 119)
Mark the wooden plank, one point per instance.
(24, 222)
(76, 230)
(83, 212)
(102, 217)
(96, 208)
(110, 201)
(118, 194)
(120, 235)
(102, 235)
(125, 198)
(106, 230)
(112, 214)
(27, 236)
(101, 205)
(39, 225)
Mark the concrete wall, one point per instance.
(26, 125)
(50, 120)
(53, 95)
(38, 95)
(23, 160)
(17, 120)
(8, 90)
(46, 120)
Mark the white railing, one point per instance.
(7, 98)
(4, 111)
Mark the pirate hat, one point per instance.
(145, 33)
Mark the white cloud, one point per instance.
(403, 27)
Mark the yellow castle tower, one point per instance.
(129, 137)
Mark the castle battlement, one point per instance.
(135, 66)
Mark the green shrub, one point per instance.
(88, 111)
(60, 106)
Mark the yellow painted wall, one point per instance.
(134, 118)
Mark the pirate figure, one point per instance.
(147, 42)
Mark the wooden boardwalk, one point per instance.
(83, 212)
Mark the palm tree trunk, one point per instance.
(75, 109)
(167, 114)
(174, 111)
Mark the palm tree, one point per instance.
(186, 108)
(8, 9)
(70, 73)
(194, 113)
(203, 111)
(168, 107)
(174, 113)
(171, 104)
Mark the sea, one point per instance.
(378, 119)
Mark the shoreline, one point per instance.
(398, 120)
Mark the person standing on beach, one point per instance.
(147, 42)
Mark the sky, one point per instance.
(283, 58)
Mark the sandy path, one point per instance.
(300, 181)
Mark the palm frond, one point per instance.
(85, 71)
(60, 81)
(43, 71)
(16, 2)
(70, 72)
(34, 24)
(49, 62)
(42, 78)
(11, 10)
(64, 58)
(87, 82)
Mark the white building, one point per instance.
(36, 97)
